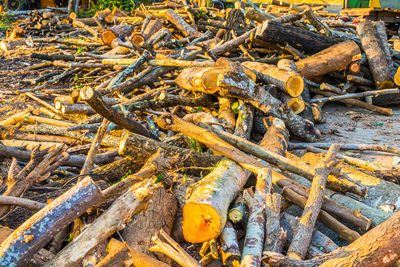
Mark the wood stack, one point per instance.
(169, 135)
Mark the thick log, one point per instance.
(316, 21)
(377, 62)
(254, 241)
(152, 27)
(204, 79)
(205, 211)
(365, 251)
(138, 146)
(159, 215)
(397, 77)
(120, 31)
(275, 32)
(114, 219)
(180, 23)
(296, 104)
(38, 230)
(302, 238)
(235, 83)
(95, 101)
(288, 81)
(334, 58)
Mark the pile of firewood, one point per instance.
(176, 132)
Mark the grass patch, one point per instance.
(5, 21)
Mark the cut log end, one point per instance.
(138, 39)
(108, 36)
(201, 222)
(297, 105)
(86, 93)
(295, 85)
(294, 255)
(235, 215)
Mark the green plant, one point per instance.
(160, 178)
(194, 145)
(235, 107)
(5, 21)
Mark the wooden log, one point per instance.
(120, 255)
(244, 122)
(152, 27)
(205, 211)
(239, 211)
(119, 31)
(319, 240)
(95, 101)
(221, 142)
(275, 236)
(316, 22)
(288, 81)
(159, 215)
(138, 146)
(334, 58)
(230, 45)
(381, 31)
(21, 202)
(225, 113)
(114, 219)
(343, 231)
(38, 230)
(276, 139)
(253, 14)
(230, 251)
(229, 85)
(203, 79)
(365, 251)
(254, 241)
(180, 23)
(296, 104)
(275, 32)
(377, 62)
(302, 238)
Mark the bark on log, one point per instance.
(254, 241)
(230, 45)
(397, 77)
(275, 236)
(230, 251)
(225, 114)
(276, 139)
(253, 14)
(159, 215)
(334, 58)
(319, 240)
(302, 238)
(244, 122)
(138, 146)
(296, 104)
(239, 211)
(275, 32)
(288, 81)
(378, 65)
(114, 219)
(152, 27)
(204, 79)
(180, 23)
(94, 100)
(343, 231)
(234, 83)
(205, 212)
(38, 230)
(119, 31)
(365, 251)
